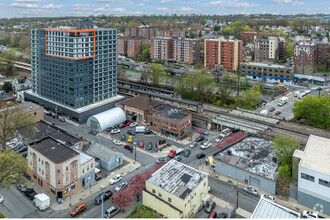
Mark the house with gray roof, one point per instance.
(107, 158)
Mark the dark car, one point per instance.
(27, 176)
(149, 146)
(131, 132)
(204, 141)
(105, 195)
(163, 160)
(92, 132)
(141, 144)
(22, 149)
(130, 148)
(148, 132)
(123, 137)
(30, 193)
(272, 109)
(278, 112)
(235, 130)
(199, 139)
(187, 153)
(223, 215)
(210, 206)
(122, 125)
(200, 155)
(49, 114)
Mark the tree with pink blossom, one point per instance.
(200, 131)
(123, 198)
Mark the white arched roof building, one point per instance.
(107, 119)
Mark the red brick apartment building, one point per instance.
(186, 50)
(304, 58)
(176, 49)
(172, 33)
(161, 48)
(223, 51)
(122, 46)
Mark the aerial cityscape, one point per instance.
(164, 109)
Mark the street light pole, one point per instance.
(102, 208)
(135, 155)
(237, 192)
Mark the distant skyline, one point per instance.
(58, 8)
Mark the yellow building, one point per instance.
(176, 190)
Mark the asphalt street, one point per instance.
(25, 207)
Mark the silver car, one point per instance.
(111, 212)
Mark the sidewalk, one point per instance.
(290, 203)
(77, 197)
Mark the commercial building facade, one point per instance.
(58, 168)
(268, 72)
(157, 116)
(73, 68)
(175, 190)
(34, 111)
(223, 51)
(314, 174)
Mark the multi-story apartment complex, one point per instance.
(281, 48)
(176, 190)
(186, 50)
(248, 36)
(122, 46)
(268, 72)
(74, 68)
(314, 174)
(223, 51)
(322, 51)
(266, 49)
(161, 48)
(172, 33)
(143, 32)
(134, 46)
(177, 49)
(58, 168)
(304, 58)
(211, 54)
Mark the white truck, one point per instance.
(140, 129)
(282, 101)
(42, 201)
(295, 94)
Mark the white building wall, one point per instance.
(313, 188)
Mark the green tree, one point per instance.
(216, 27)
(8, 87)
(12, 119)
(145, 51)
(12, 168)
(199, 80)
(284, 147)
(7, 59)
(314, 111)
(203, 21)
(289, 48)
(249, 99)
(155, 71)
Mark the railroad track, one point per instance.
(279, 128)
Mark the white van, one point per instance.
(226, 132)
(296, 94)
(140, 129)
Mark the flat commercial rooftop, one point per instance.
(253, 154)
(169, 111)
(270, 65)
(29, 107)
(268, 209)
(177, 178)
(316, 155)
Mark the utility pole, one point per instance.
(102, 208)
(135, 155)
(237, 192)
(319, 91)
(238, 76)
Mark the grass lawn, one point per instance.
(143, 212)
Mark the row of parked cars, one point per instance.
(17, 145)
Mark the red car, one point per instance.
(122, 125)
(141, 144)
(272, 109)
(278, 112)
(128, 123)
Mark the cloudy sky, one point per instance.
(31, 8)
